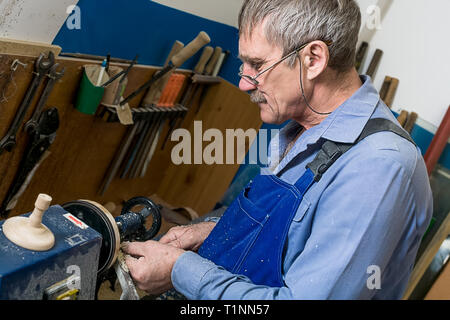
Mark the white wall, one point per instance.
(414, 37)
(33, 20)
(224, 11)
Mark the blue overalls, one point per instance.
(250, 237)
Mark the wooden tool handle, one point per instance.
(176, 48)
(204, 58)
(220, 63)
(390, 95)
(374, 63)
(212, 63)
(385, 87)
(361, 54)
(192, 48)
(155, 91)
(409, 125)
(403, 117)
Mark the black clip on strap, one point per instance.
(325, 158)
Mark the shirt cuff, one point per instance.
(187, 273)
(212, 219)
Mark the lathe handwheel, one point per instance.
(153, 211)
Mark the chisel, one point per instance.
(192, 48)
(152, 96)
(206, 63)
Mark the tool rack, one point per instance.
(85, 144)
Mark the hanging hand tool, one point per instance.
(150, 112)
(92, 57)
(388, 90)
(410, 122)
(42, 66)
(219, 65)
(373, 66)
(37, 150)
(208, 72)
(180, 113)
(152, 136)
(53, 75)
(176, 62)
(155, 91)
(146, 125)
(10, 78)
(403, 116)
(199, 69)
(214, 66)
(360, 55)
(123, 73)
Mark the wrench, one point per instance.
(32, 124)
(42, 65)
(35, 153)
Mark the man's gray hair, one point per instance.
(291, 23)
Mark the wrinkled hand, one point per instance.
(150, 264)
(188, 237)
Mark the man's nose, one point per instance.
(246, 85)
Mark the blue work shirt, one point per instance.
(357, 231)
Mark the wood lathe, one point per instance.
(65, 252)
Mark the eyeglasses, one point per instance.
(253, 81)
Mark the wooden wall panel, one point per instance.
(85, 145)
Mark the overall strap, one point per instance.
(331, 151)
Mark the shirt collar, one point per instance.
(352, 116)
(344, 125)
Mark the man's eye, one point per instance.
(257, 67)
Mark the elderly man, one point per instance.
(341, 212)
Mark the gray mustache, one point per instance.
(257, 97)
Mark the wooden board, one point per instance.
(85, 145)
(26, 48)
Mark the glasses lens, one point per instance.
(246, 77)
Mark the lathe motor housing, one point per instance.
(67, 271)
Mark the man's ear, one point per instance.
(315, 59)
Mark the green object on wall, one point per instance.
(89, 95)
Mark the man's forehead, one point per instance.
(254, 48)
